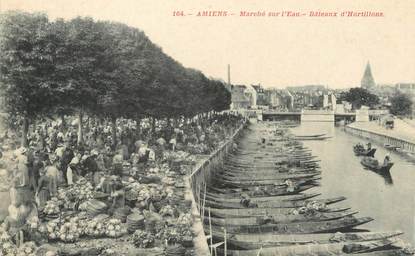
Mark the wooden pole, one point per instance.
(204, 202)
(226, 247)
(210, 231)
(259, 252)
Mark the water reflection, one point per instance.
(387, 197)
(385, 174)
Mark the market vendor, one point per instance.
(89, 164)
(52, 173)
(65, 159)
(20, 220)
(34, 171)
(117, 161)
(72, 170)
(173, 142)
(117, 195)
(21, 172)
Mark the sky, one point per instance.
(273, 51)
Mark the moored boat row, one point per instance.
(256, 206)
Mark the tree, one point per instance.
(26, 61)
(103, 69)
(401, 104)
(359, 97)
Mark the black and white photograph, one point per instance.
(207, 128)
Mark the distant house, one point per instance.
(279, 99)
(251, 94)
(329, 101)
(239, 99)
(306, 88)
(406, 87)
(261, 100)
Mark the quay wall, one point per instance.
(381, 138)
(202, 174)
(196, 185)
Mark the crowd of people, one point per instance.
(55, 158)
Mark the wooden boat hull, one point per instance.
(376, 168)
(220, 198)
(271, 204)
(297, 227)
(262, 191)
(277, 176)
(278, 218)
(254, 171)
(253, 212)
(369, 153)
(256, 241)
(317, 249)
(272, 182)
(311, 138)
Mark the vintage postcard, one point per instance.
(177, 127)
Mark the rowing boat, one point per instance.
(350, 247)
(252, 212)
(263, 191)
(256, 241)
(230, 169)
(272, 204)
(278, 218)
(269, 190)
(310, 135)
(295, 227)
(311, 138)
(221, 198)
(277, 176)
(301, 179)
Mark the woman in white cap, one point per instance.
(22, 170)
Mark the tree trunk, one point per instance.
(138, 122)
(63, 121)
(80, 132)
(114, 132)
(153, 125)
(88, 124)
(25, 132)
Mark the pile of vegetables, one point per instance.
(71, 230)
(52, 206)
(10, 249)
(197, 148)
(113, 228)
(81, 191)
(51, 229)
(143, 239)
(95, 228)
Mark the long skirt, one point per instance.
(42, 197)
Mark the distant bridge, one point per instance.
(320, 115)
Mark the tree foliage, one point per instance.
(359, 97)
(401, 104)
(100, 68)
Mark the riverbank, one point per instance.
(285, 212)
(402, 135)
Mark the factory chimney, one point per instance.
(229, 74)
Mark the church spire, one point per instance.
(367, 79)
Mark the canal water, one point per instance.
(389, 200)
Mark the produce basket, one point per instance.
(135, 221)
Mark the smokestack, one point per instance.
(229, 74)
